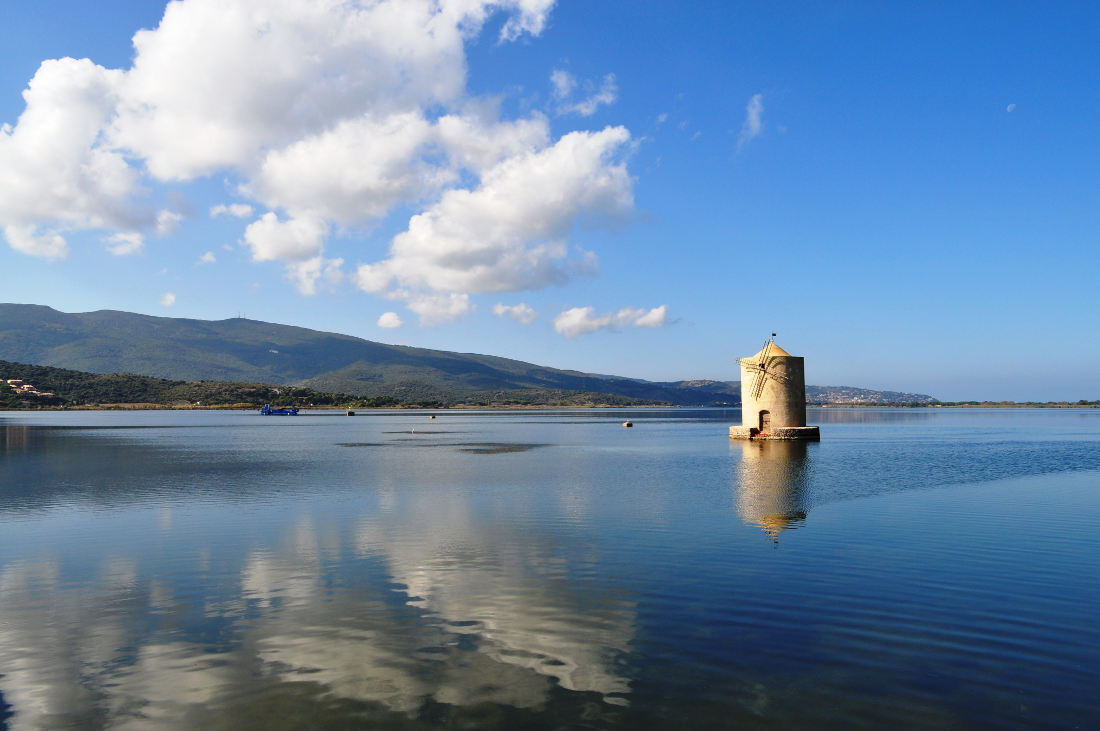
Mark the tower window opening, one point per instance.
(765, 421)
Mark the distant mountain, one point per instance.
(241, 350)
(853, 395)
(720, 393)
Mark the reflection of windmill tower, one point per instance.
(773, 396)
(772, 484)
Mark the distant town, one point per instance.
(26, 389)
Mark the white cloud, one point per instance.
(122, 244)
(237, 210)
(27, 240)
(306, 274)
(507, 234)
(168, 299)
(754, 121)
(476, 142)
(606, 94)
(294, 240)
(654, 318)
(56, 175)
(220, 86)
(583, 320)
(373, 277)
(168, 222)
(354, 172)
(207, 258)
(331, 115)
(434, 309)
(528, 16)
(1010, 108)
(564, 84)
(521, 313)
(390, 320)
(284, 71)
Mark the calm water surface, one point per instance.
(917, 568)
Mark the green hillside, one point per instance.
(76, 388)
(247, 351)
(68, 388)
(232, 350)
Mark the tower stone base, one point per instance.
(788, 433)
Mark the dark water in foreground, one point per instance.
(917, 568)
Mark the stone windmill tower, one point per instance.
(773, 396)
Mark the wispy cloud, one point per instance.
(595, 96)
(207, 258)
(583, 320)
(563, 83)
(520, 313)
(754, 121)
(308, 273)
(237, 210)
(168, 222)
(124, 244)
(436, 308)
(1010, 108)
(168, 299)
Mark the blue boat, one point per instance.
(268, 411)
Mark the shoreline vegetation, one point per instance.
(63, 389)
(514, 406)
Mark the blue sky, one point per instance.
(905, 192)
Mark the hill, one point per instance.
(60, 387)
(249, 351)
(64, 387)
(720, 393)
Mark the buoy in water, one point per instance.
(628, 424)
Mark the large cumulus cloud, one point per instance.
(55, 173)
(510, 233)
(326, 116)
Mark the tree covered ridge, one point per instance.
(77, 388)
(253, 353)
